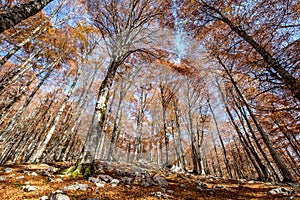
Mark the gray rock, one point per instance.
(46, 173)
(7, 170)
(52, 169)
(59, 197)
(182, 186)
(20, 177)
(44, 198)
(105, 178)
(114, 182)
(160, 181)
(202, 185)
(28, 188)
(2, 178)
(146, 182)
(75, 187)
(170, 191)
(94, 180)
(210, 191)
(282, 190)
(100, 184)
(165, 196)
(126, 180)
(221, 187)
(33, 174)
(158, 194)
(96, 198)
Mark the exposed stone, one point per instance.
(28, 188)
(20, 177)
(170, 191)
(44, 165)
(2, 178)
(221, 187)
(52, 169)
(33, 174)
(58, 180)
(55, 196)
(202, 185)
(94, 180)
(126, 180)
(100, 184)
(281, 190)
(46, 173)
(114, 182)
(75, 187)
(105, 178)
(44, 198)
(210, 191)
(7, 170)
(160, 181)
(146, 182)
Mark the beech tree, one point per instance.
(18, 13)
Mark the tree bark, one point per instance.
(21, 12)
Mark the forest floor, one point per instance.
(171, 185)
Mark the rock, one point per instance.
(75, 187)
(182, 185)
(251, 182)
(2, 178)
(100, 184)
(7, 170)
(33, 174)
(170, 191)
(202, 185)
(158, 194)
(28, 188)
(46, 173)
(126, 180)
(221, 187)
(20, 177)
(137, 180)
(58, 180)
(160, 181)
(58, 197)
(114, 182)
(105, 178)
(210, 191)
(94, 180)
(282, 190)
(44, 198)
(165, 196)
(96, 198)
(52, 169)
(44, 165)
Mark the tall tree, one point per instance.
(20, 12)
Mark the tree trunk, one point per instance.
(21, 12)
(41, 148)
(222, 143)
(283, 75)
(15, 118)
(287, 176)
